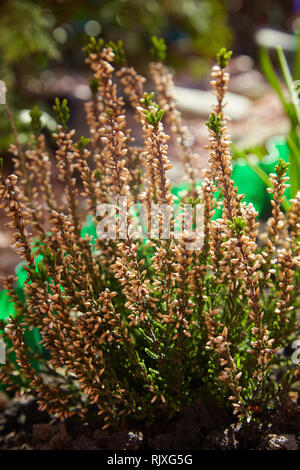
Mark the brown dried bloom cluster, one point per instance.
(163, 82)
(229, 373)
(221, 169)
(112, 124)
(294, 224)
(142, 326)
(219, 82)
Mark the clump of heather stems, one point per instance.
(144, 327)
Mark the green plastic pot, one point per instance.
(249, 183)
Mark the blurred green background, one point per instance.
(40, 40)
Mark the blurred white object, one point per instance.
(268, 37)
(200, 102)
(2, 92)
(2, 352)
(82, 92)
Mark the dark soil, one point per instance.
(24, 427)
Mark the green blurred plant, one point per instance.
(199, 25)
(25, 38)
(158, 49)
(291, 107)
(223, 57)
(26, 44)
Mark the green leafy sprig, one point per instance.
(62, 111)
(158, 49)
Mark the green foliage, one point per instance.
(193, 202)
(281, 168)
(154, 117)
(158, 49)
(62, 111)
(96, 45)
(202, 22)
(214, 123)
(36, 123)
(83, 142)
(118, 50)
(291, 108)
(147, 100)
(237, 225)
(49, 258)
(25, 33)
(94, 85)
(93, 46)
(223, 57)
(26, 46)
(152, 112)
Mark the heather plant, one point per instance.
(143, 327)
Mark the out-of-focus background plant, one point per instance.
(288, 94)
(26, 45)
(40, 57)
(36, 33)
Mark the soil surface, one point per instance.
(201, 427)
